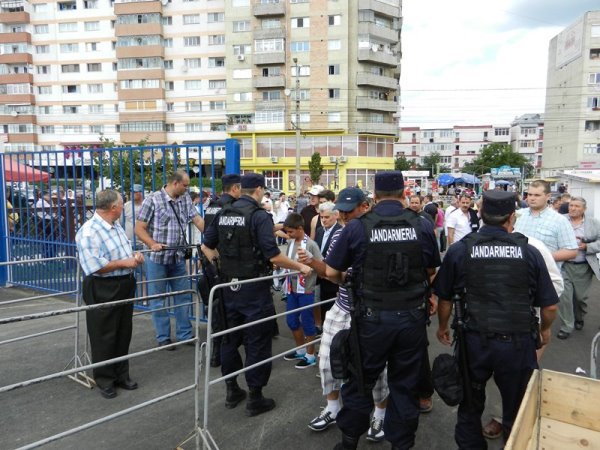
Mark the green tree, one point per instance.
(495, 155)
(315, 167)
(434, 163)
(401, 163)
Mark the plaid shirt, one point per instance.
(99, 243)
(167, 225)
(551, 228)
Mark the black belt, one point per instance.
(577, 263)
(116, 277)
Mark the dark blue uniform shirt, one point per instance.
(350, 249)
(451, 276)
(261, 226)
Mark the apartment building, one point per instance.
(527, 138)
(71, 70)
(572, 115)
(456, 146)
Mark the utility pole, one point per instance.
(298, 183)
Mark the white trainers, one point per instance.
(375, 433)
(322, 421)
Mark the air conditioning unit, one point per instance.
(274, 159)
(343, 159)
(332, 159)
(241, 57)
(242, 127)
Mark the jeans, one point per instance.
(161, 320)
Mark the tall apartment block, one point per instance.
(527, 138)
(202, 70)
(572, 116)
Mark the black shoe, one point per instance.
(128, 384)
(257, 404)
(235, 394)
(579, 324)
(167, 342)
(562, 335)
(107, 392)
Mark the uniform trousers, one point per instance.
(248, 303)
(573, 301)
(510, 361)
(109, 329)
(399, 339)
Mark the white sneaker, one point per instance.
(375, 433)
(322, 421)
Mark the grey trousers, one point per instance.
(573, 301)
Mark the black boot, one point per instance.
(215, 354)
(235, 394)
(257, 404)
(348, 443)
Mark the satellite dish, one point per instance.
(14, 113)
(374, 47)
(287, 92)
(165, 2)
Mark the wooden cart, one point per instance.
(559, 412)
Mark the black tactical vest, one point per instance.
(214, 207)
(393, 275)
(240, 257)
(498, 297)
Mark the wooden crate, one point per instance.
(559, 412)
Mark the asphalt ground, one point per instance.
(34, 412)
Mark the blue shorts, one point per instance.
(302, 318)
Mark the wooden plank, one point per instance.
(570, 399)
(523, 434)
(555, 435)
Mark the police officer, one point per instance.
(392, 253)
(501, 278)
(231, 192)
(243, 235)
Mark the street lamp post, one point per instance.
(297, 68)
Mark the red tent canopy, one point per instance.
(14, 171)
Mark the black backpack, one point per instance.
(447, 380)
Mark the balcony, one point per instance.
(20, 37)
(370, 79)
(376, 104)
(380, 57)
(269, 58)
(269, 9)
(153, 6)
(262, 105)
(7, 18)
(138, 29)
(16, 58)
(378, 32)
(378, 128)
(10, 78)
(277, 81)
(380, 8)
(151, 137)
(140, 51)
(269, 33)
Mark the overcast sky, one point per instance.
(475, 62)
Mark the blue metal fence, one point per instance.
(49, 195)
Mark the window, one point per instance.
(43, 70)
(44, 90)
(47, 129)
(216, 62)
(193, 84)
(595, 29)
(72, 129)
(69, 48)
(41, 29)
(334, 93)
(594, 78)
(96, 109)
(140, 63)
(216, 39)
(91, 26)
(304, 117)
(169, 127)
(168, 64)
(168, 42)
(39, 49)
(192, 127)
(268, 45)
(216, 17)
(241, 25)
(95, 88)
(71, 89)
(335, 20)
(242, 96)
(593, 102)
(217, 84)
(269, 116)
(334, 44)
(154, 125)
(191, 41)
(303, 71)
(242, 49)
(90, 4)
(304, 94)
(167, 20)
(192, 63)
(334, 69)
(71, 109)
(170, 106)
(240, 3)
(67, 27)
(501, 131)
(271, 95)
(91, 46)
(69, 68)
(139, 84)
(300, 46)
(218, 126)
(193, 106)
(169, 85)
(40, 8)
(94, 67)
(96, 129)
(591, 149)
(300, 22)
(217, 105)
(333, 117)
(67, 6)
(595, 53)
(190, 19)
(592, 125)
(267, 24)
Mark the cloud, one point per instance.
(543, 13)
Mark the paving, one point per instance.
(35, 412)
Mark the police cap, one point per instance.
(252, 180)
(349, 198)
(499, 203)
(231, 178)
(389, 181)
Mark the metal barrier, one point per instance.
(203, 433)
(594, 356)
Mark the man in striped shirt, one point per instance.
(107, 260)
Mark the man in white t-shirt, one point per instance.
(458, 222)
(281, 209)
